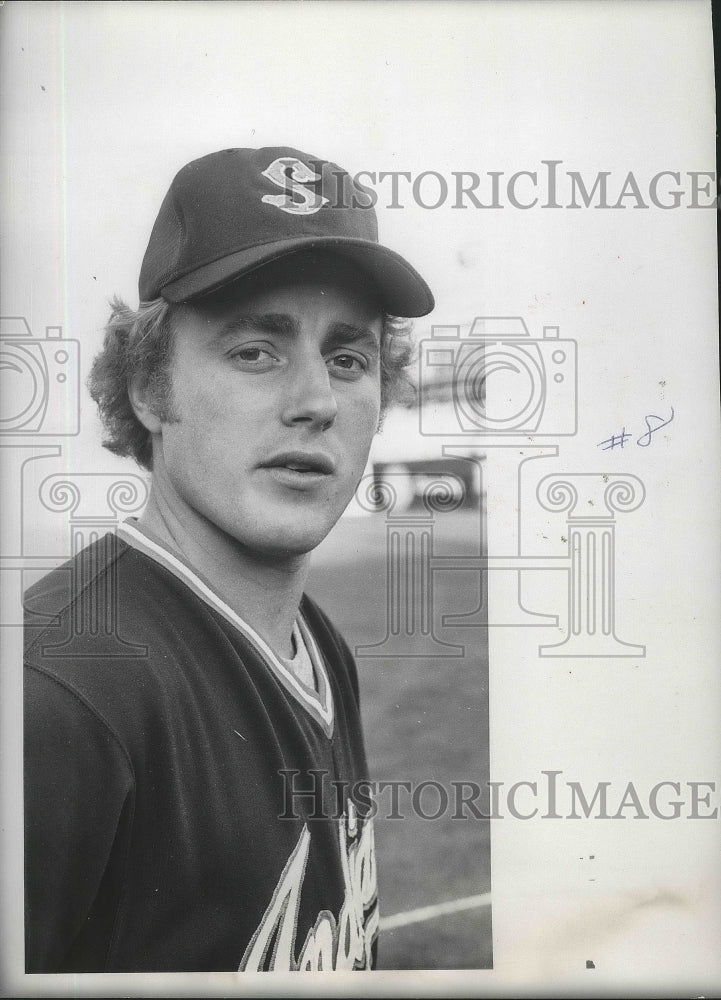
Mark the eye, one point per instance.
(254, 357)
(251, 354)
(348, 363)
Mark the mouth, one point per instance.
(302, 463)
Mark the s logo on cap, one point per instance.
(291, 174)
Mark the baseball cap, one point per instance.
(230, 212)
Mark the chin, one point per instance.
(280, 545)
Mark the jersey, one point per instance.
(189, 802)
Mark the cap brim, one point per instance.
(402, 290)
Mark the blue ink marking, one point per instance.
(653, 423)
(615, 441)
(645, 440)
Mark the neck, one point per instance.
(263, 590)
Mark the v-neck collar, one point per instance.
(317, 702)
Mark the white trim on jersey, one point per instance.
(300, 663)
(318, 703)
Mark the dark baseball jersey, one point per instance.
(189, 801)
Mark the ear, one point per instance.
(142, 405)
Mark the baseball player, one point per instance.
(191, 763)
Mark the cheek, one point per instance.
(203, 431)
(363, 422)
(374, 406)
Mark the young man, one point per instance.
(167, 756)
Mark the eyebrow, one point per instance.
(287, 326)
(278, 323)
(348, 333)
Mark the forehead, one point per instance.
(296, 284)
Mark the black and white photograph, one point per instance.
(359, 541)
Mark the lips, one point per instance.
(310, 462)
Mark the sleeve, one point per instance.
(78, 782)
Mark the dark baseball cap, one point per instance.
(229, 213)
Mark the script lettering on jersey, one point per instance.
(330, 944)
(292, 175)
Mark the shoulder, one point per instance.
(65, 584)
(98, 581)
(106, 600)
(112, 634)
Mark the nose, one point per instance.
(309, 397)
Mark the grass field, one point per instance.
(426, 719)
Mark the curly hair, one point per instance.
(140, 342)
